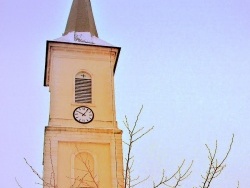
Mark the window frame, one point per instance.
(84, 97)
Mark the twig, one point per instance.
(18, 183)
(52, 177)
(177, 175)
(215, 168)
(87, 172)
(134, 135)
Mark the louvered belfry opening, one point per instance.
(83, 88)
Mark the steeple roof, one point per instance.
(81, 18)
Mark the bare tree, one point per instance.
(175, 179)
(135, 132)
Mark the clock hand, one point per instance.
(81, 113)
(85, 112)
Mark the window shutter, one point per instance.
(83, 90)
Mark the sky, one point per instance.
(186, 62)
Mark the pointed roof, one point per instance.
(81, 18)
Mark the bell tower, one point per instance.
(83, 144)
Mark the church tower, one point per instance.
(83, 144)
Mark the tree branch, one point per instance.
(215, 168)
(18, 183)
(178, 176)
(134, 135)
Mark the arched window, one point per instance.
(83, 88)
(84, 172)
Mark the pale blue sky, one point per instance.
(187, 62)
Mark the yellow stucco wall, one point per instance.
(67, 153)
(64, 63)
(63, 143)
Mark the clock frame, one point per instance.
(83, 114)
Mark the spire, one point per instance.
(81, 18)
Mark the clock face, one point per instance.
(83, 114)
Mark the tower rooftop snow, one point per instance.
(81, 18)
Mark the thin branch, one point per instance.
(88, 172)
(33, 170)
(139, 182)
(178, 176)
(18, 183)
(143, 134)
(134, 135)
(38, 175)
(52, 183)
(238, 185)
(52, 176)
(215, 168)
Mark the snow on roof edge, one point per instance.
(82, 38)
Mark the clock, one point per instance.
(83, 114)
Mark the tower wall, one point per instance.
(63, 144)
(66, 140)
(64, 62)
